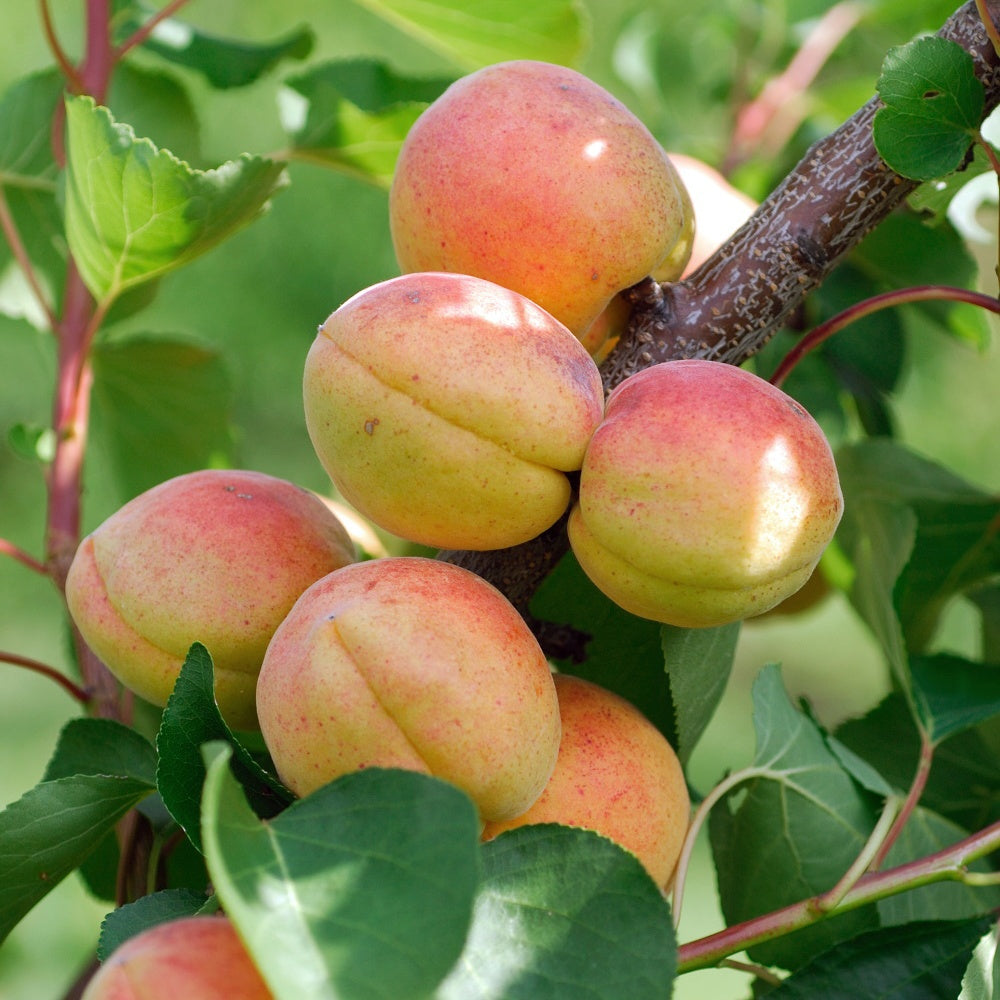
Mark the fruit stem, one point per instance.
(918, 293)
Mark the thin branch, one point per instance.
(141, 34)
(945, 865)
(75, 691)
(760, 972)
(8, 548)
(66, 67)
(887, 300)
(16, 244)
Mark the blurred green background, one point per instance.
(684, 69)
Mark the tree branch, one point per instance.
(735, 302)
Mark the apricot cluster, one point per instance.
(456, 406)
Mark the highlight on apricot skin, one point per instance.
(192, 958)
(617, 774)
(448, 410)
(414, 663)
(707, 495)
(535, 177)
(215, 556)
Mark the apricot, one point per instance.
(197, 958)
(535, 177)
(215, 556)
(719, 208)
(616, 774)
(413, 663)
(707, 495)
(448, 410)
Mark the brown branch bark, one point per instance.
(731, 306)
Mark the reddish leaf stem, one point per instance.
(74, 690)
(149, 27)
(16, 245)
(947, 864)
(69, 71)
(918, 293)
(913, 796)
(8, 548)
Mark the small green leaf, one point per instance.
(921, 961)
(362, 890)
(933, 197)
(135, 212)
(102, 746)
(190, 720)
(825, 820)
(354, 115)
(490, 31)
(51, 830)
(564, 913)
(698, 664)
(224, 62)
(953, 694)
(933, 107)
(134, 918)
(624, 653)
(31, 442)
(982, 976)
(176, 392)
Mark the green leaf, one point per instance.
(877, 532)
(364, 889)
(921, 961)
(982, 977)
(987, 600)
(135, 212)
(624, 653)
(190, 720)
(933, 107)
(224, 62)
(933, 197)
(953, 694)
(134, 918)
(51, 830)
(964, 783)
(924, 834)
(28, 178)
(102, 746)
(32, 442)
(175, 392)
(26, 112)
(698, 664)
(354, 115)
(492, 30)
(790, 831)
(564, 913)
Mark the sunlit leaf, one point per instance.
(491, 31)
(933, 106)
(135, 212)
(354, 115)
(564, 913)
(364, 889)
